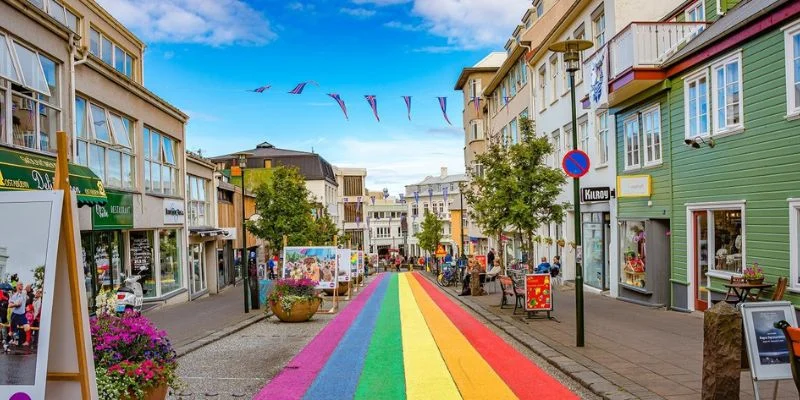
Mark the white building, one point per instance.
(435, 195)
(352, 199)
(387, 226)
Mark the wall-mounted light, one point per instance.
(695, 142)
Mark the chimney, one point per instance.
(444, 172)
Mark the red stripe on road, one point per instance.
(525, 379)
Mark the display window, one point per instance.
(594, 250)
(156, 257)
(170, 265)
(142, 262)
(103, 261)
(634, 254)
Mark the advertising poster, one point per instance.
(355, 264)
(538, 293)
(482, 261)
(767, 349)
(770, 341)
(343, 262)
(27, 275)
(361, 263)
(315, 263)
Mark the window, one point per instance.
(524, 113)
(727, 87)
(696, 12)
(696, 99)
(583, 135)
(511, 82)
(556, 137)
(197, 199)
(424, 208)
(632, 140)
(476, 130)
(725, 235)
(503, 94)
(602, 137)
(651, 127)
(477, 169)
(542, 80)
(539, 6)
(523, 70)
(198, 267)
(60, 13)
(792, 46)
(110, 53)
(513, 133)
(794, 242)
(160, 169)
(599, 27)
(553, 78)
(414, 210)
(103, 143)
(633, 245)
(170, 261)
(580, 34)
(505, 135)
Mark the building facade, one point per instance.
(352, 200)
(434, 194)
(387, 225)
(202, 225)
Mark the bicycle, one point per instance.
(448, 276)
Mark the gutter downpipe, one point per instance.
(73, 51)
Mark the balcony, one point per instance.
(637, 52)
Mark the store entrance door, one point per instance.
(197, 267)
(700, 222)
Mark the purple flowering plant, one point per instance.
(288, 291)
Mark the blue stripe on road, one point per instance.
(339, 378)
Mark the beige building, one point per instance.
(202, 225)
(68, 65)
(352, 201)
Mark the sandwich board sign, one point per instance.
(767, 350)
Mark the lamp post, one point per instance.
(571, 49)
(245, 255)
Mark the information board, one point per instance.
(767, 351)
(538, 292)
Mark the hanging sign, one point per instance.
(575, 163)
(538, 292)
(634, 186)
(595, 194)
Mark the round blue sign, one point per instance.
(575, 163)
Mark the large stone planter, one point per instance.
(301, 311)
(341, 290)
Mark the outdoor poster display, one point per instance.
(482, 261)
(315, 263)
(766, 345)
(27, 276)
(356, 261)
(361, 263)
(343, 263)
(538, 292)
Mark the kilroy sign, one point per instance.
(595, 194)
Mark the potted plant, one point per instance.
(753, 275)
(537, 239)
(561, 242)
(548, 241)
(294, 300)
(133, 360)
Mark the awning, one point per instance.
(25, 171)
(206, 232)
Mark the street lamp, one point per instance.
(571, 49)
(245, 255)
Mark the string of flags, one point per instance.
(372, 100)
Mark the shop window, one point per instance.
(728, 240)
(112, 54)
(696, 99)
(103, 262)
(104, 144)
(143, 262)
(196, 189)
(634, 253)
(602, 138)
(160, 168)
(170, 262)
(792, 49)
(727, 87)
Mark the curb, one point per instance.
(208, 339)
(587, 378)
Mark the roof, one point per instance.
(737, 17)
(490, 63)
(510, 62)
(311, 165)
(432, 180)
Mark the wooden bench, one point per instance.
(509, 288)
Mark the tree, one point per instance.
(284, 206)
(431, 232)
(322, 230)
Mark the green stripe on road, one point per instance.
(383, 376)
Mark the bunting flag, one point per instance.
(416, 197)
(373, 103)
(444, 193)
(339, 101)
(443, 105)
(261, 89)
(506, 100)
(407, 99)
(477, 101)
(300, 86)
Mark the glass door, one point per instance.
(197, 267)
(701, 260)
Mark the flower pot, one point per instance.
(301, 311)
(156, 393)
(755, 281)
(341, 290)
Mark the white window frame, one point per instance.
(598, 34)
(553, 66)
(583, 134)
(690, 245)
(162, 162)
(794, 244)
(626, 143)
(538, 6)
(696, 78)
(542, 77)
(602, 139)
(699, 5)
(473, 89)
(108, 146)
(792, 101)
(713, 89)
(579, 34)
(198, 208)
(656, 108)
(556, 138)
(114, 46)
(475, 131)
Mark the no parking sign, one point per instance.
(575, 163)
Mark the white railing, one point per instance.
(646, 44)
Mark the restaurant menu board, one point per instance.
(766, 344)
(538, 292)
(141, 253)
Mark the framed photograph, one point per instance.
(316, 263)
(343, 264)
(28, 250)
(766, 344)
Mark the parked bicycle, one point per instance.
(448, 276)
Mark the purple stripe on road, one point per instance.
(295, 379)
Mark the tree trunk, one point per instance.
(501, 252)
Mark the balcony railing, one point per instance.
(648, 44)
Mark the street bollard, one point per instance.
(722, 352)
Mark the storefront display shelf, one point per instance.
(636, 289)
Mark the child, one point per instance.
(27, 327)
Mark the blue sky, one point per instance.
(203, 55)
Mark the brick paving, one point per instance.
(631, 351)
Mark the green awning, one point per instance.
(25, 171)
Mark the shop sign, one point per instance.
(173, 211)
(595, 194)
(228, 233)
(634, 186)
(117, 213)
(538, 292)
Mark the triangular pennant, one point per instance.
(339, 101)
(407, 99)
(373, 103)
(443, 105)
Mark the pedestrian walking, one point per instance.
(490, 257)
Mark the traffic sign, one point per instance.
(575, 163)
(440, 251)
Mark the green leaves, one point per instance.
(431, 232)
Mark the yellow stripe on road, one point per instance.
(471, 373)
(427, 376)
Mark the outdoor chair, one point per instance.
(491, 276)
(793, 343)
(780, 289)
(510, 289)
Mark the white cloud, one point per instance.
(216, 23)
(404, 26)
(381, 3)
(471, 24)
(168, 55)
(357, 12)
(438, 49)
(298, 6)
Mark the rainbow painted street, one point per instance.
(402, 338)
